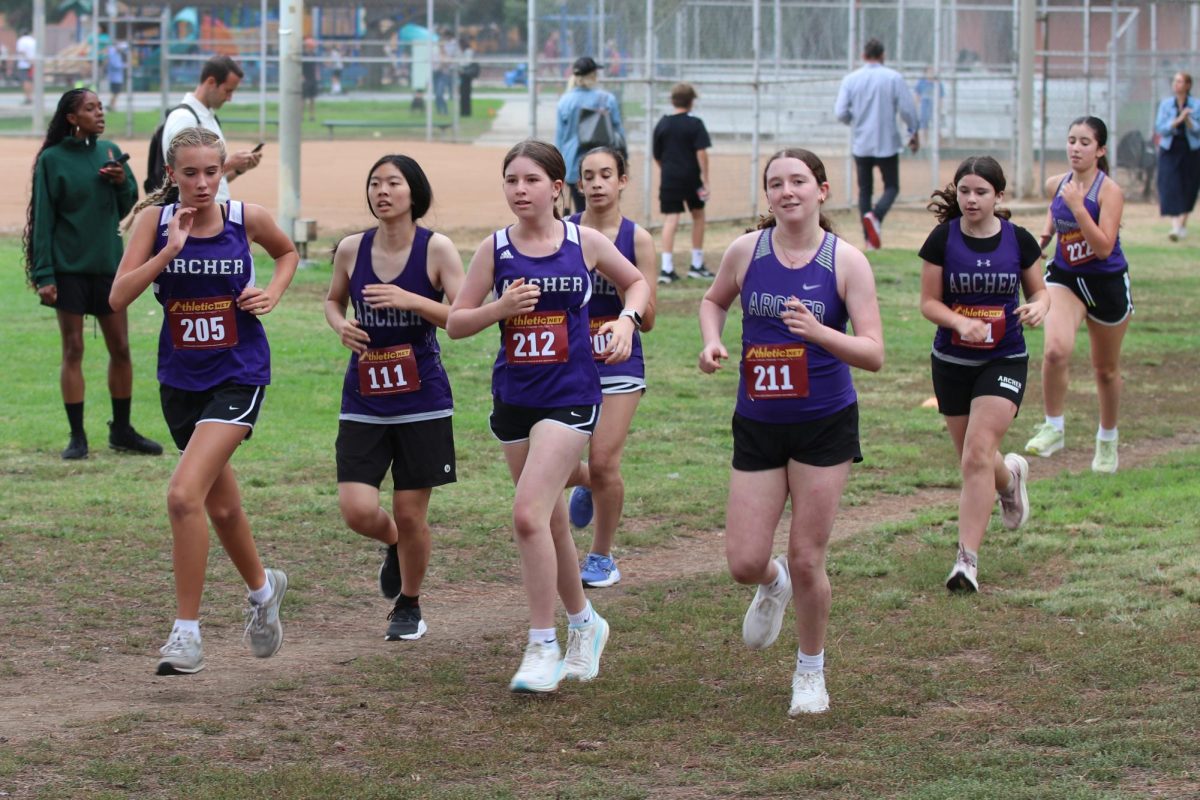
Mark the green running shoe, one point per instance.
(1046, 441)
(1105, 459)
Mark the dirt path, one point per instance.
(54, 705)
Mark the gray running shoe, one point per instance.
(405, 622)
(263, 628)
(181, 655)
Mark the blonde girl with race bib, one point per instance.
(600, 487)
(396, 402)
(795, 425)
(546, 390)
(1088, 280)
(976, 263)
(214, 365)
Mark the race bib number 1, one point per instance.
(388, 370)
(205, 323)
(775, 371)
(992, 315)
(537, 338)
(600, 341)
(1075, 248)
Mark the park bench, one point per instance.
(331, 124)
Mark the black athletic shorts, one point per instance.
(1107, 297)
(956, 385)
(511, 424)
(671, 200)
(83, 294)
(420, 454)
(824, 442)
(231, 403)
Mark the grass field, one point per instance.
(1074, 674)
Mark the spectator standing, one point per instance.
(26, 53)
(336, 65)
(868, 101)
(583, 93)
(681, 145)
(114, 65)
(466, 75)
(310, 79)
(1178, 154)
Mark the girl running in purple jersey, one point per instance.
(213, 366)
(1088, 279)
(396, 402)
(546, 390)
(795, 427)
(976, 264)
(600, 486)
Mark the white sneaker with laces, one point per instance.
(1014, 506)
(541, 669)
(263, 628)
(181, 655)
(585, 643)
(808, 694)
(764, 618)
(963, 576)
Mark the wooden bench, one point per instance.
(331, 124)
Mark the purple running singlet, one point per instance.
(1072, 252)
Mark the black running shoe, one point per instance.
(667, 277)
(76, 448)
(701, 272)
(406, 623)
(127, 440)
(389, 573)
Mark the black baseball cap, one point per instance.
(585, 66)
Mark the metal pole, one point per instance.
(1112, 82)
(164, 54)
(1027, 42)
(935, 124)
(531, 57)
(1045, 17)
(94, 49)
(1087, 52)
(433, 59)
(39, 68)
(262, 71)
(291, 111)
(778, 46)
(1014, 56)
(129, 84)
(648, 136)
(852, 37)
(954, 86)
(601, 33)
(900, 36)
(756, 48)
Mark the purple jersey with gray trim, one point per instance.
(606, 303)
(545, 358)
(774, 379)
(983, 286)
(389, 327)
(198, 290)
(1072, 251)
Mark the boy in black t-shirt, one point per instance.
(680, 145)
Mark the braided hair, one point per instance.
(58, 130)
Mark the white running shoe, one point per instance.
(1014, 506)
(1105, 459)
(181, 655)
(963, 576)
(541, 669)
(585, 643)
(764, 618)
(263, 628)
(808, 694)
(1047, 440)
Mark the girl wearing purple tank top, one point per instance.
(598, 483)
(1088, 279)
(976, 262)
(798, 284)
(214, 365)
(396, 403)
(546, 390)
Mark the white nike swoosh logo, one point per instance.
(233, 408)
(573, 414)
(808, 288)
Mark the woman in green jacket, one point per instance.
(82, 187)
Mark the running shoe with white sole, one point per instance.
(540, 671)
(808, 694)
(963, 576)
(405, 622)
(665, 277)
(263, 628)
(181, 655)
(599, 571)
(871, 227)
(585, 643)
(1047, 440)
(580, 508)
(764, 618)
(700, 273)
(1105, 459)
(1014, 506)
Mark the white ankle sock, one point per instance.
(542, 636)
(668, 262)
(191, 626)
(260, 596)
(807, 663)
(697, 258)
(1058, 423)
(583, 617)
(1104, 434)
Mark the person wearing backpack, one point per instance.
(588, 117)
(219, 79)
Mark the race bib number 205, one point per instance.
(204, 323)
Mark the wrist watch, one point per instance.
(633, 315)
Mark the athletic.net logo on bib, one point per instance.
(993, 316)
(204, 323)
(537, 338)
(388, 370)
(775, 371)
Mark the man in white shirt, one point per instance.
(26, 53)
(219, 79)
(868, 101)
